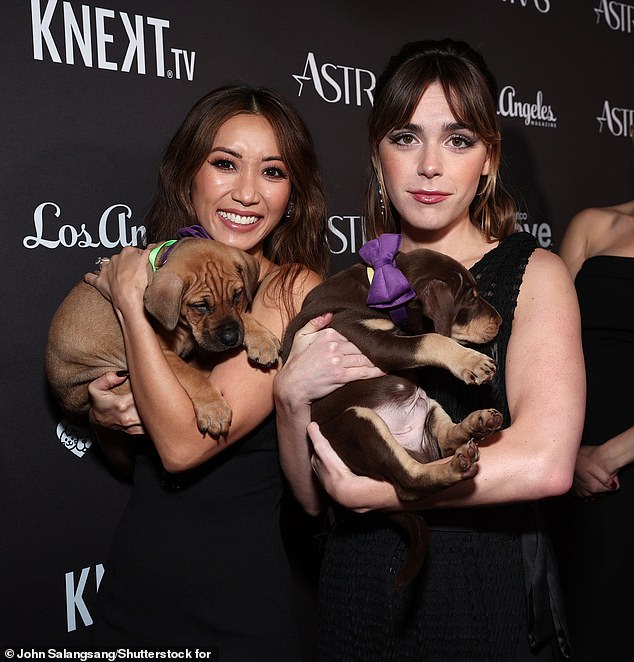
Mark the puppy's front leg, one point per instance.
(213, 414)
(262, 345)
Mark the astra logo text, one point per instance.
(346, 234)
(617, 120)
(336, 83)
(617, 15)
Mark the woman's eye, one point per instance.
(223, 164)
(460, 142)
(402, 139)
(275, 172)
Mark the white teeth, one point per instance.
(238, 219)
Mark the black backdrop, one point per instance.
(90, 94)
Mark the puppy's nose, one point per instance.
(229, 335)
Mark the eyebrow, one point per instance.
(448, 126)
(238, 155)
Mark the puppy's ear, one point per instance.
(438, 304)
(163, 296)
(249, 269)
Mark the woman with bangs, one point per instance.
(488, 590)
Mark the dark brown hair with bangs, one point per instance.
(471, 92)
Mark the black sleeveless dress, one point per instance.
(198, 559)
(595, 540)
(487, 582)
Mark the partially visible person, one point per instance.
(593, 525)
(488, 589)
(198, 558)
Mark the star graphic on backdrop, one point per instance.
(300, 80)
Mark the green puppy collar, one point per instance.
(156, 250)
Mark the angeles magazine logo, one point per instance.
(617, 120)
(534, 113)
(336, 83)
(618, 16)
(93, 35)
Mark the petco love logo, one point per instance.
(73, 437)
(112, 229)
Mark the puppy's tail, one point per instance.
(417, 532)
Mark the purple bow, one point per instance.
(193, 231)
(389, 288)
(189, 231)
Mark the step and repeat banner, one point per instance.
(90, 94)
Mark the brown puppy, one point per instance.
(364, 420)
(198, 303)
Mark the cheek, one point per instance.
(278, 198)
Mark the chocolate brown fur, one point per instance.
(446, 311)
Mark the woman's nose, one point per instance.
(246, 190)
(430, 162)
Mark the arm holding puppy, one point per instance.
(161, 402)
(320, 361)
(534, 456)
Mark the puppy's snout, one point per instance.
(229, 335)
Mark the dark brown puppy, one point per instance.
(446, 311)
(198, 303)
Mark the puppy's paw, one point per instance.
(213, 417)
(263, 348)
(477, 368)
(480, 424)
(465, 459)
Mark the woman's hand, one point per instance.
(123, 278)
(592, 478)
(111, 410)
(358, 493)
(320, 361)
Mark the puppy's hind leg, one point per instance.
(364, 442)
(452, 436)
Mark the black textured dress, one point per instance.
(595, 540)
(198, 559)
(484, 589)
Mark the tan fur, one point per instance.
(199, 305)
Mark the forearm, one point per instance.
(295, 452)
(512, 467)
(618, 452)
(163, 405)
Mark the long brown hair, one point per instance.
(299, 240)
(471, 92)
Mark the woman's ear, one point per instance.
(486, 166)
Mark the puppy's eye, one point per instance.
(202, 307)
(237, 295)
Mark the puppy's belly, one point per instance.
(406, 419)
